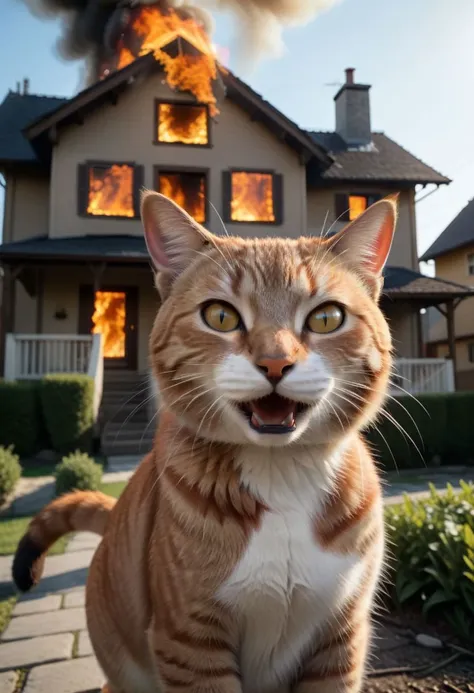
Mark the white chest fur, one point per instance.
(286, 585)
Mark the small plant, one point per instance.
(10, 471)
(432, 542)
(67, 401)
(77, 472)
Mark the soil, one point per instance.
(395, 647)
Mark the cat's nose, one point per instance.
(274, 369)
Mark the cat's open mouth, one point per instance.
(272, 414)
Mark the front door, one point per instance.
(113, 312)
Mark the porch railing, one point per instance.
(31, 356)
(420, 376)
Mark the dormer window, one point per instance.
(107, 189)
(349, 207)
(182, 123)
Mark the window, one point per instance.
(181, 123)
(470, 264)
(470, 351)
(253, 197)
(109, 189)
(350, 206)
(186, 187)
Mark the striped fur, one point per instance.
(237, 561)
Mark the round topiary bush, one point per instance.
(77, 472)
(10, 471)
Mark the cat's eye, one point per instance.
(325, 319)
(221, 317)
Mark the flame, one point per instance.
(155, 29)
(186, 189)
(357, 205)
(182, 123)
(111, 191)
(252, 197)
(109, 320)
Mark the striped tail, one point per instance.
(80, 511)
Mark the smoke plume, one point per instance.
(91, 28)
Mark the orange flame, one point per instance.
(186, 189)
(252, 197)
(182, 123)
(111, 191)
(193, 73)
(109, 320)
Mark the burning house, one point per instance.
(159, 111)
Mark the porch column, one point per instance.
(39, 299)
(450, 307)
(8, 308)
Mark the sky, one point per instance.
(416, 54)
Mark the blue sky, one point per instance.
(417, 54)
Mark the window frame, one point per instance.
(277, 195)
(470, 264)
(178, 102)
(341, 203)
(205, 172)
(83, 188)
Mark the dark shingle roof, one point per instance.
(458, 233)
(114, 248)
(386, 161)
(402, 282)
(16, 112)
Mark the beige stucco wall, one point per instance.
(322, 214)
(61, 291)
(26, 207)
(453, 266)
(125, 132)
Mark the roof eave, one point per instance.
(432, 256)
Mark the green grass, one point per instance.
(113, 489)
(6, 608)
(34, 469)
(12, 530)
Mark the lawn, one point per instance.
(12, 529)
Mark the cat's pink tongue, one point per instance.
(272, 410)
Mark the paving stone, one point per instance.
(74, 676)
(8, 682)
(85, 645)
(62, 621)
(83, 541)
(37, 605)
(74, 599)
(26, 653)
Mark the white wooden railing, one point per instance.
(31, 356)
(420, 376)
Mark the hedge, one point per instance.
(20, 417)
(67, 402)
(425, 430)
(10, 472)
(77, 472)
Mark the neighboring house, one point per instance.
(453, 253)
(73, 251)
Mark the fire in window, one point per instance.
(109, 320)
(182, 124)
(349, 207)
(254, 197)
(109, 190)
(187, 189)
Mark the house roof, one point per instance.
(401, 282)
(459, 233)
(16, 112)
(384, 161)
(77, 248)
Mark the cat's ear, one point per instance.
(365, 243)
(172, 236)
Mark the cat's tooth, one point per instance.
(256, 420)
(289, 421)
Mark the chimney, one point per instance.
(26, 85)
(353, 112)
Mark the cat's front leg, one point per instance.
(338, 662)
(198, 658)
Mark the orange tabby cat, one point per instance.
(244, 553)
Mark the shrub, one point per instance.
(20, 417)
(432, 542)
(78, 472)
(10, 471)
(459, 432)
(67, 402)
